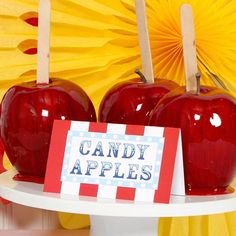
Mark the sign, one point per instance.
(114, 161)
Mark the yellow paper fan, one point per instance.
(94, 43)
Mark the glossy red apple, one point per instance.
(208, 125)
(28, 112)
(132, 102)
(1, 149)
(2, 169)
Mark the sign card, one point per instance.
(115, 161)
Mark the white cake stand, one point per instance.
(112, 217)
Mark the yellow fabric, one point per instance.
(74, 221)
(94, 43)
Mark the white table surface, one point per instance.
(32, 195)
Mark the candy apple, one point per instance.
(1, 156)
(1, 149)
(27, 114)
(132, 102)
(2, 169)
(207, 122)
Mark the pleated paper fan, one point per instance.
(117, 29)
(95, 43)
(215, 40)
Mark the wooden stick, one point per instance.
(44, 15)
(144, 42)
(189, 48)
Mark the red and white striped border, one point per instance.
(56, 156)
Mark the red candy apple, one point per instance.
(2, 169)
(131, 102)
(27, 115)
(1, 149)
(207, 121)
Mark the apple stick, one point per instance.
(189, 48)
(44, 14)
(144, 42)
